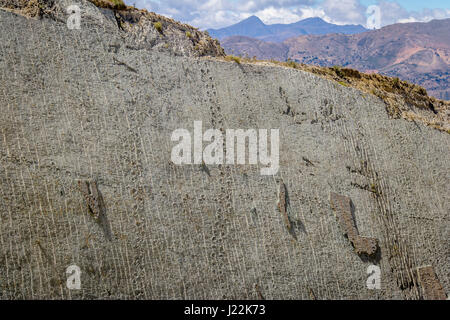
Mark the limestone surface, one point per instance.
(87, 105)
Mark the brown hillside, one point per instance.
(417, 52)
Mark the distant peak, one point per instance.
(314, 20)
(253, 19)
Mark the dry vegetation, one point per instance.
(201, 42)
(131, 20)
(29, 8)
(37, 8)
(110, 4)
(233, 58)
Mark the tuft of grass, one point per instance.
(291, 64)
(396, 83)
(110, 4)
(188, 34)
(233, 58)
(422, 91)
(338, 71)
(351, 73)
(158, 26)
(375, 189)
(118, 3)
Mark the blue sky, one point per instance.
(220, 13)
(416, 5)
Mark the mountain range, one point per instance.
(253, 27)
(417, 52)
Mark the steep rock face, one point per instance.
(245, 46)
(140, 30)
(86, 176)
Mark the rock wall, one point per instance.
(86, 177)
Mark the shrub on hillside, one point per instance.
(158, 26)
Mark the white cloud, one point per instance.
(406, 20)
(310, 12)
(218, 19)
(273, 15)
(144, 4)
(345, 11)
(392, 12)
(221, 13)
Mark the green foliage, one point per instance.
(233, 58)
(351, 73)
(338, 71)
(237, 60)
(422, 91)
(188, 34)
(110, 4)
(375, 189)
(291, 64)
(158, 26)
(118, 3)
(396, 82)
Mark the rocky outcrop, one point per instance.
(139, 29)
(86, 177)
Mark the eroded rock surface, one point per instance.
(85, 105)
